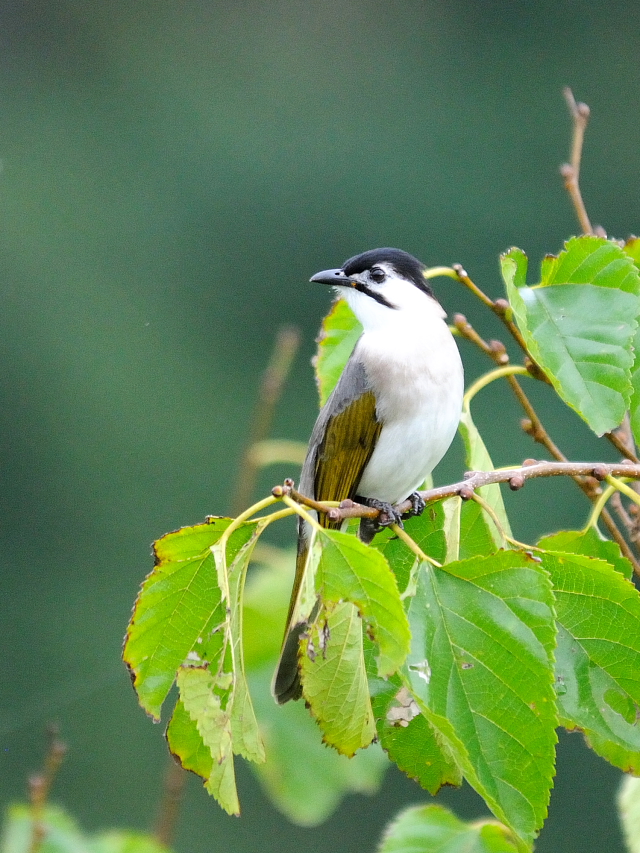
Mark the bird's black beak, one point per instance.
(334, 277)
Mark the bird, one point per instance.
(390, 418)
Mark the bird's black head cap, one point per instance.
(404, 264)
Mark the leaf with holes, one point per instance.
(335, 680)
(178, 608)
(407, 737)
(348, 570)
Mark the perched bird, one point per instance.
(391, 416)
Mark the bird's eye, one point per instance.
(377, 275)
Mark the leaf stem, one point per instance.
(494, 517)
(621, 486)
(289, 501)
(598, 506)
(490, 377)
(413, 546)
(239, 520)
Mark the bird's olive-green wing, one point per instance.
(348, 442)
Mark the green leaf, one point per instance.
(629, 812)
(598, 655)
(303, 778)
(590, 544)
(591, 260)
(338, 335)
(434, 829)
(334, 678)
(244, 726)
(177, 609)
(204, 707)
(477, 459)
(121, 841)
(634, 404)
(186, 743)
(407, 737)
(63, 835)
(348, 570)
(481, 670)
(579, 324)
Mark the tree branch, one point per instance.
(516, 477)
(571, 171)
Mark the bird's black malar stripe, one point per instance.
(377, 296)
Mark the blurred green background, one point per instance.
(172, 174)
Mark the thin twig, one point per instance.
(571, 171)
(172, 792)
(500, 308)
(40, 785)
(622, 440)
(273, 380)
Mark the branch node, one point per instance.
(499, 351)
(526, 425)
(535, 370)
(501, 306)
(516, 482)
(529, 462)
(600, 473)
(465, 493)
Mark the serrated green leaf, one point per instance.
(481, 669)
(303, 778)
(598, 655)
(177, 609)
(334, 678)
(186, 743)
(213, 722)
(591, 260)
(590, 544)
(348, 570)
(477, 459)
(434, 829)
(338, 335)
(407, 737)
(244, 726)
(579, 324)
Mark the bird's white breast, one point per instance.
(414, 368)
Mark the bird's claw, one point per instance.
(417, 505)
(388, 513)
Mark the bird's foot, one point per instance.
(417, 505)
(370, 526)
(388, 513)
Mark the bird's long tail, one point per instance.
(286, 681)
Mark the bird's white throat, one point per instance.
(413, 366)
